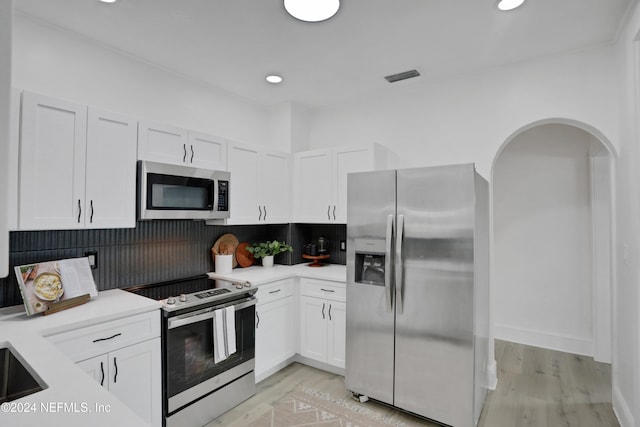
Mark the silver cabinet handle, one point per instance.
(334, 212)
(115, 376)
(387, 261)
(260, 214)
(79, 211)
(265, 212)
(184, 156)
(330, 312)
(192, 153)
(399, 272)
(257, 317)
(91, 217)
(323, 310)
(327, 290)
(329, 212)
(276, 291)
(102, 371)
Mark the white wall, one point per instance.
(542, 278)
(467, 118)
(6, 23)
(59, 63)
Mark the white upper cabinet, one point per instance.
(243, 163)
(275, 173)
(52, 163)
(14, 147)
(320, 180)
(260, 190)
(207, 152)
(77, 166)
(111, 170)
(173, 145)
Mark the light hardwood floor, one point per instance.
(536, 388)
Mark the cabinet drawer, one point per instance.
(83, 343)
(274, 291)
(323, 289)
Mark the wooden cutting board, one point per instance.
(243, 256)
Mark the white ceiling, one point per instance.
(233, 44)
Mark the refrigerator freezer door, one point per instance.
(370, 316)
(434, 329)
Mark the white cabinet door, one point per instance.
(162, 143)
(336, 337)
(14, 158)
(97, 368)
(274, 334)
(134, 379)
(313, 328)
(312, 182)
(110, 170)
(52, 163)
(207, 152)
(275, 182)
(244, 163)
(346, 161)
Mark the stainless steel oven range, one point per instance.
(208, 346)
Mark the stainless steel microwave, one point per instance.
(181, 192)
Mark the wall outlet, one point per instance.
(93, 259)
(343, 245)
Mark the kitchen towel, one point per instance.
(224, 333)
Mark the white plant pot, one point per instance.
(267, 261)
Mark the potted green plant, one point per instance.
(267, 250)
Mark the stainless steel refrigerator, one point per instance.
(418, 290)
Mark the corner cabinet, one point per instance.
(124, 357)
(320, 180)
(275, 332)
(260, 190)
(323, 321)
(173, 145)
(77, 166)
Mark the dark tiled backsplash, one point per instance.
(154, 251)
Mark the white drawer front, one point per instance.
(83, 343)
(323, 289)
(274, 291)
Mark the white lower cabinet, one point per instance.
(124, 356)
(132, 374)
(323, 321)
(275, 329)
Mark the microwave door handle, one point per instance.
(216, 195)
(387, 262)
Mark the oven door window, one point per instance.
(169, 192)
(190, 351)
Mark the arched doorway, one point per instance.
(552, 238)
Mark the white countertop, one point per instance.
(72, 398)
(258, 275)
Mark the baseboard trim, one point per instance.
(621, 409)
(266, 374)
(492, 375)
(319, 365)
(565, 343)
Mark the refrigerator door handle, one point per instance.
(387, 262)
(398, 263)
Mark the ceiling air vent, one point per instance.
(402, 76)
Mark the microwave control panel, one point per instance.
(223, 196)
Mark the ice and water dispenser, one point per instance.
(370, 261)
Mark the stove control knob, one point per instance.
(247, 285)
(238, 285)
(183, 298)
(171, 300)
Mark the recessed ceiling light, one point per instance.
(312, 10)
(509, 4)
(109, 1)
(274, 78)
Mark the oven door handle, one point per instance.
(187, 319)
